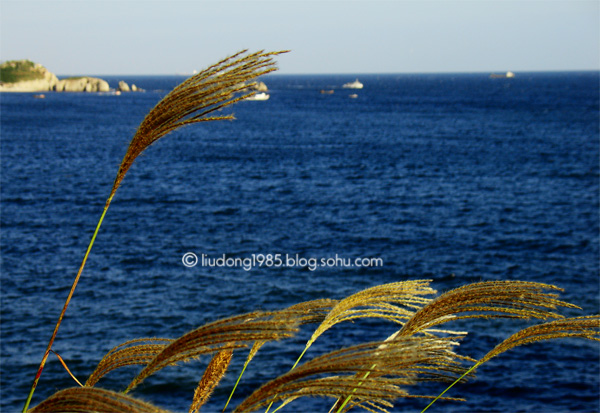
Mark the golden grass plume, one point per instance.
(91, 399)
(133, 352)
(513, 299)
(304, 313)
(374, 371)
(229, 333)
(213, 374)
(489, 299)
(395, 302)
(196, 99)
(369, 376)
(574, 327)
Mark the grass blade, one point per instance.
(67, 368)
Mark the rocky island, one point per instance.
(27, 76)
(82, 84)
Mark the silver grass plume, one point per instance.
(196, 99)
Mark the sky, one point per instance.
(124, 37)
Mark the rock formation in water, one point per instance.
(123, 87)
(82, 84)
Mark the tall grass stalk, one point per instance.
(64, 309)
(195, 100)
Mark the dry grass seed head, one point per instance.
(513, 299)
(303, 313)
(91, 399)
(195, 99)
(383, 406)
(396, 302)
(389, 366)
(133, 352)
(576, 327)
(213, 374)
(506, 299)
(229, 333)
(307, 312)
(580, 327)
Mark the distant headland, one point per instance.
(27, 76)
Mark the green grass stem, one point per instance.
(64, 310)
(354, 391)
(449, 387)
(299, 358)
(236, 384)
(293, 367)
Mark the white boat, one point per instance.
(504, 75)
(353, 85)
(259, 96)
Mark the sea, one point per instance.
(454, 178)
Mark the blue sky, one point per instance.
(107, 37)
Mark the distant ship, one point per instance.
(259, 96)
(353, 85)
(507, 74)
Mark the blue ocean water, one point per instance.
(456, 178)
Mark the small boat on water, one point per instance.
(40, 96)
(504, 75)
(259, 96)
(353, 85)
(327, 92)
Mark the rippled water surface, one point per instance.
(453, 178)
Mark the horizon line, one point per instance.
(353, 73)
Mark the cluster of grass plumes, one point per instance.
(371, 376)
